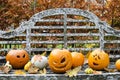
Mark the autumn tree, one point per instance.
(14, 11)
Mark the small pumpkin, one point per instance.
(17, 58)
(27, 66)
(39, 61)
(98, 59)
(60, 60)
(117, 64)
(77, 59)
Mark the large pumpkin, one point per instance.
(98, 59)
(77, 59)
(60, 60)
(17, 58)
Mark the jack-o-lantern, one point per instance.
(17, 58)
(98, 59)
(60, 60)
(77, 59)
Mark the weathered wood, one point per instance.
(70, 28)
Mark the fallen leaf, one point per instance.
(110, 70)
(43, 71)
(89, 71)
(19, 72)
(33, 69)
(97, 72)
(6, 68)
(73, 72)
(89, 45)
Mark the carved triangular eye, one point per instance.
(24, 56)
(99, 57)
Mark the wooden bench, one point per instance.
(70, 28)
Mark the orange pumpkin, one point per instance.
(17, 58)
(60, 60)
(77, 59)
(98, 59)
(117, 64)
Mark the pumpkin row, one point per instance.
(59, 60)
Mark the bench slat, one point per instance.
(62, 27)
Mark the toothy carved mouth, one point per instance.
(95, 64)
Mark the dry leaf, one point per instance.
(6, 68)
(89, 71)
(19, 72)
(43, 71)
(97, 72)
(33, 69)
(73, 72)
(110, 70)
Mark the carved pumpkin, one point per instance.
(60, 60)
(77, 59)
(98, 59)
(17, 58)
(117, 64)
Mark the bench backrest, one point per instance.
(69, 28)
